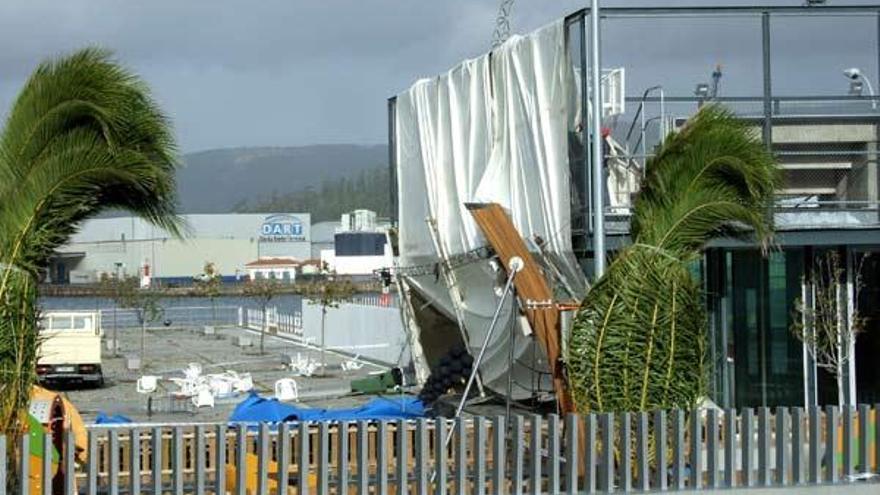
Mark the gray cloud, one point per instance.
(274, 72)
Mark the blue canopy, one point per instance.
(260, 409)
(114, 419)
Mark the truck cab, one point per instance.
(70, 348)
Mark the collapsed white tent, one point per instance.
(492, 129)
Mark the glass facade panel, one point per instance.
(759, 296)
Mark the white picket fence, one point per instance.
(371, 331)
(271, 321)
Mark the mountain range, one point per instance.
(243, 179)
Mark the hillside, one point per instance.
(225, 180)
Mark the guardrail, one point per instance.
(702, 450)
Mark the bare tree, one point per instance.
(829, 327)
(144, 302)
(264, 289)
(329, 293)
(207, 284)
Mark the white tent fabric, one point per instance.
(492, 129)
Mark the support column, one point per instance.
(768, 106)
(598, 159)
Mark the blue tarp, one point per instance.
(113, 419)
(260, 409)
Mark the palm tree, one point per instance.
(639, 339)
(83, 136)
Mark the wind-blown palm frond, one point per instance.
(639, 338)
(83, 135)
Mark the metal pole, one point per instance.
(768, 107)
(515, 265)
(597, 172)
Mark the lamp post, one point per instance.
(854, 74)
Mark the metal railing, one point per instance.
(701, 450)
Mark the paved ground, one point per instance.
(170, 350)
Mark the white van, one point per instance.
(70, 348)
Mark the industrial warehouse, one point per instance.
(241, 246)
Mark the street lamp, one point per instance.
(854, 74)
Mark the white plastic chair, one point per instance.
(286, 389)
(352, 364)
(185, 386)
(193, 371)
(147, 384)
(243, 383)
(204, 397)
(221, 385)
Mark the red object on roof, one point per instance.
(274, 262)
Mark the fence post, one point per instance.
(304, 467)
(69, 464)
(815, 445)
(402, 451)
(241, 460)
(156, 468)
(606, 468)
(590, 459)
(864, 439)
(876, 437)
(764, 446)
(439, 456)
(696, 450)
(421, 456)
(461, 456)
(263, 460)
(712, 448)
(848, 470)
(220, 455)
(678, 448)
(642, 451)
(831, 444)
(535, 454)
(572, 445)
(363, 475)
(782, 443)
(3, 470)
(747, 425)
(134, 461)
(343, 454)
(660, 442)
(283, 457)
(499, 446)
(553, 453)
(46, 475)
(625, 437)
(797, 446)
(479, 456)
(114, 462)
(518, 455)
(382, 456)
(729, 448)
(177, 455)
(323, 461)
(24, 467)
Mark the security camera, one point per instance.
(853, 73)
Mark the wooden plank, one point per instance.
(531, 285)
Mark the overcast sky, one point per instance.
(288, 72)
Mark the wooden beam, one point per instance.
(531, 286)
